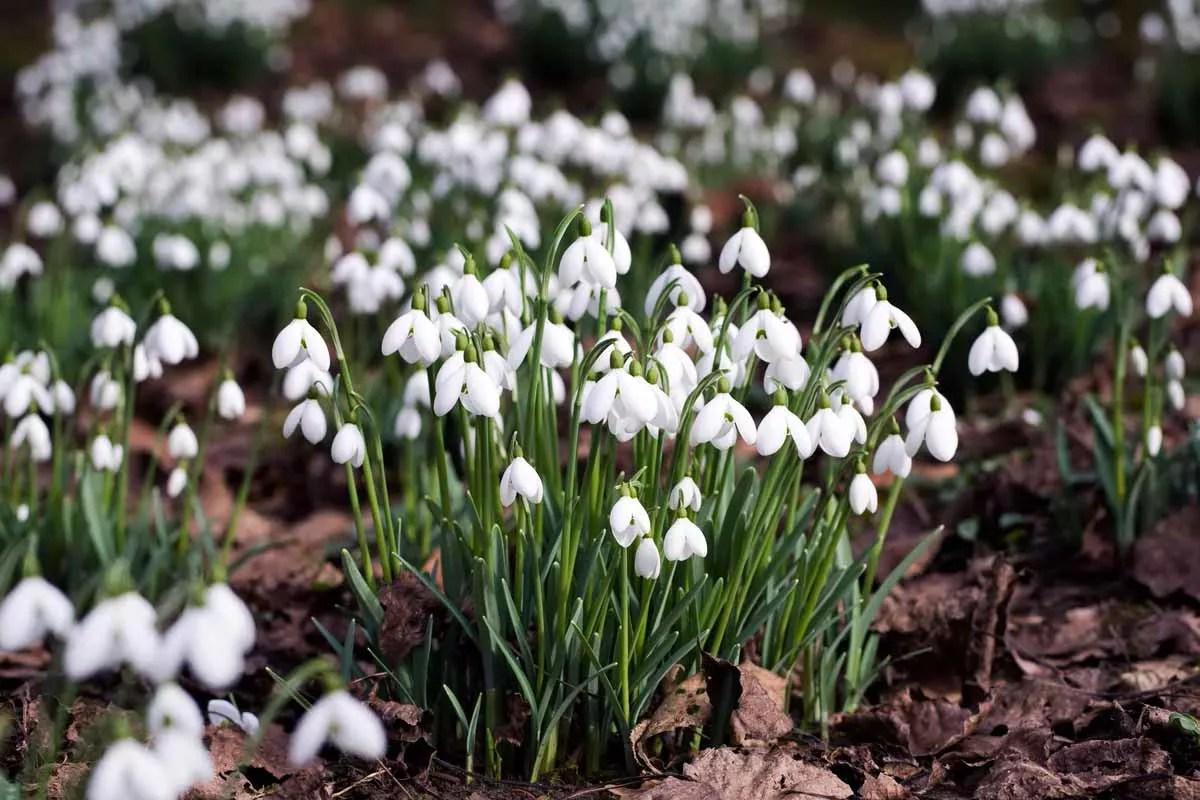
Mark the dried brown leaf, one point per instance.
(742, 774)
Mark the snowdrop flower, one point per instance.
(113, 327)
(34, 608)
(983, 106)
(31, 430)
(173, 709)
(745, 249)
(25, 392)
(587, 259)
(778, 426)
(207, 643)
(177, 481)
(685, 494)
(1096, 154)
(880, 320)
(1154, 439)
(558, 344)
(646, 561)
(344, 722)
(1164, 227)
(119, 630)
(830, 432)
(628, 520)
(994, 150)
(349, 446)
(890, 456)
(1174, 365)
(722, 420)
(145, 365)
(471, 303)
(860, 306)
(63, 397)
(1171, 184)
(520, 479)
(863, 495)
(685, 327)
(994, 350)
(1090, 282)
(170, 341)
(115, 247)
(977, 261)
(129, 770)
(44, 220)
(860, 378)
(185, 759)
(462, 380)
(305, 377)
(234, 617)
(681, 282)
(789, 373)
(768, 335)
(309, 417)
(1175, 394)
(1013, 312)
(19, 259)
(407, 424)
(181, 442)
(231, 401)
(298, 341)
(620, 394)
(918, 90)
(931, 421)
(104, 392)
(683, 540)
(221, 712)
(1138, 360)
(892, 168)
(105, 455)
(1167, 293)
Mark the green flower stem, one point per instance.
(885, 520)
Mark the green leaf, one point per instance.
(98, 524)
(368, 603)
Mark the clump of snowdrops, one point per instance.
(133, 585)
(600, 513)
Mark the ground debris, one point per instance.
(757, 774)
(1166, 558)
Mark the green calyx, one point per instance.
(673, 252)
(992, 318)
(724, 386)
(585, 227)
(301, 309)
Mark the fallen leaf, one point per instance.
(671, 789)
(759, 716)
(1166, 558)
(1100, 765)
(1149, 676)
(882, 787)
(1018, 780)
(753, 774)
(684, 705)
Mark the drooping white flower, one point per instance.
(310, 418)
(722, 420)
(349, 446)
(627, 520)
(977, 261)
(863, 495)
(1096, 154)
(1167, 293)
(931, 421)
(587, 260)
(104, 392)
(1154, 439)
(407, 424)
(231, 400)
(1013, 312)
(63, 396)
(222, 712)
(177, 481)
(520, 479)
(34, 608)
(31, 431)
(769, 336)
(830, 432)
(1175, 394)
(683, 540)
(129, 770)
(341, 720)
(685, 494)
(170, 341)
(105, 455)
(298, 341)
(646, 561)
(305, 377)
(860, 378)
(558, 345)
(777, 427)
(1171, 184)
(471, 303)
(24, 393)
(890, 456)
(146, 365)
(1091, 285)
(859, 306)
(119, 630)
(232, 614)
(465, 381)
(993, 351)
(747, 250)
(173, 709)
(185, 760)
(879, 321)
(681, 283)
(789, 373)
(112, 327)
(1138, 360)
(687, 327)
(182, 442)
